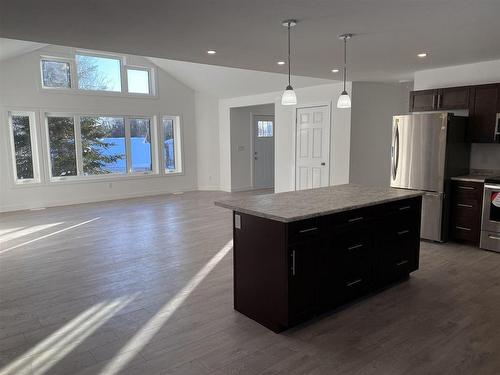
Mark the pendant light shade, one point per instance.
(289, 97)
(344, 98)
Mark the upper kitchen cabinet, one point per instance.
(423, 100)
(484, 105)
(439, 99)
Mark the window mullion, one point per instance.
(78, 146)
(161, 146)
(128, 144)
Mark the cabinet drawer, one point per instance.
(303, 230)
(465, 232)
(345, 221)
(466, 190)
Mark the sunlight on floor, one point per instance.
(147, 332)
(48, 235)
(24, 232)
(50, 351)
(9, 230)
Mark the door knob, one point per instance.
(323, 163)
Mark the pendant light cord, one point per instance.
(289, 67)
(345, 61)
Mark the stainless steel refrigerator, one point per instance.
(427, 150)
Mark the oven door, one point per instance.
(491, 208)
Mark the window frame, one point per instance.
(35, 159)
(150, 80)
(74, 88)
(72, 74)
(178, 142)
(80, 177)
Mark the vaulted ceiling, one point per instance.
(248, 34)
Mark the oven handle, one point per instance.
(492, 187)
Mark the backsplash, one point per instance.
(485, 156)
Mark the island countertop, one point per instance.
(304, 204)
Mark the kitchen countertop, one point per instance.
(304, 204)
(478, 176)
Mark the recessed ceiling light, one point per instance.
(211, 52)
(335, 70)
(422, 55)
(280, 63)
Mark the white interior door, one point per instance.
(312, 151)
(263, 151)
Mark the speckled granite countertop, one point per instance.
(471, 178)
(304, 204)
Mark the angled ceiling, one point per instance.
(248, 34)
(11, 48)
(224, 82)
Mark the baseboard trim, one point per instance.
(103, 198)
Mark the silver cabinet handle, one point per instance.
(354, 282)
(494, 237)
(466, 187)
(404, 208)
(356, 219)
(464, 228)
(308, 230)
(355, 247)
(293, 263)
(401, 263)
(403, 232)
(465, 205)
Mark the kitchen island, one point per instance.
(299, 254)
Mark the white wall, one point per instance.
(241, 144)
(19, 89)
(207, 141)
(483, 156)
(373, 105)
(458, 75)
(285, 134)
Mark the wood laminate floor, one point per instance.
(144, 286)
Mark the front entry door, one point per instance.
(263, 151)
(312, 152)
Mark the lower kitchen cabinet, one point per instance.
(465, 213)
(285, 273)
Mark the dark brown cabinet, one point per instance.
(482, 101)
(453, 98)
(484, 105)
(466, 206)
(423, 100)
(285, 273)
(439, 99)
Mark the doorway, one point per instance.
(263, 151)
(312, 151)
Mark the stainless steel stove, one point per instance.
(490, 227)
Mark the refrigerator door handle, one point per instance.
(395, 157)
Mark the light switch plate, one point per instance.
(237, 221)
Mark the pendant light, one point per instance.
(289, 97)
(344, 99)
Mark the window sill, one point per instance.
(96, 179)
(109, 94)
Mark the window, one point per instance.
(23, 138)
(138, 81)
(61, 134)
(140, 145)
(264, 129)
(56, 74)
(171, 144)
(103, 145)
(99, 73)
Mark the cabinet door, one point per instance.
(423, 100)
(453, 98)
(482, 116)
(303, 257)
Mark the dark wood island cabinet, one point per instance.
(348, 241)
